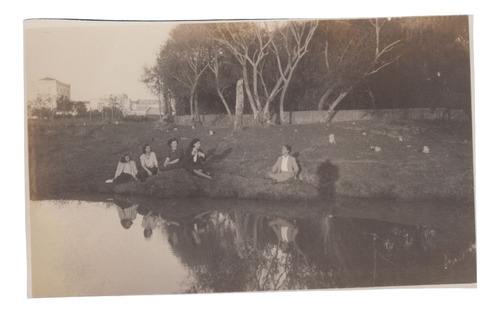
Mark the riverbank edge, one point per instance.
(181, 184)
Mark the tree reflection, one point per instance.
(249, 249)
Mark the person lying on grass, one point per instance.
(174, 156)
(195, 159)
(149, 163)
(126, 170)
(285, 168)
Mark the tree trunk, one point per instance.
(249, 92)
(322, 101)
(191, 104)
(238, 110)
(372, 97)
(284, 120)
(221, 96)
(219, 91)
(329, 114)
(196, 116)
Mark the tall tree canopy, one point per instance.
(314, 65)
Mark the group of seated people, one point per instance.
(193, 160)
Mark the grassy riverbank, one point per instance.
(370, 159)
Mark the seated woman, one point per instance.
(149, 163)
(174, 157)
(286, 167)
(195, 159)
(126, 170)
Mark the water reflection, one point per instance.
(235, 245)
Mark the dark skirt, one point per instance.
(142, 174)
(123, 178)
(172, 166)
(190, 165)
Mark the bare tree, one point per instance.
(249, 43)
(215, 66)
(381, 58)
(294, 38)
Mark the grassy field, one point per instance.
(370, 159)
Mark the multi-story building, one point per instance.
(51, 89)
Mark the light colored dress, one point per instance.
(284, 169)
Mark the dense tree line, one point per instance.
(314, 65)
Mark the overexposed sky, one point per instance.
(94, 57)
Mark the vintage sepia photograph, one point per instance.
(257, 155)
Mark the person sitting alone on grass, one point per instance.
(174, 155)
(126, 170)
(285, 168)
(149, 163)
(196, 159)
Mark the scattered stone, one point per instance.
(211, 133)
(331, 139)
(364, 134)
(376, 149)
(175, 129)
(426, 149)
(400, 138)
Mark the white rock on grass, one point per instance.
(331, 139)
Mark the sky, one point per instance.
(94, 57)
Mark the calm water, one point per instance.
(126, 246)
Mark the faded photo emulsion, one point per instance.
(251, 155)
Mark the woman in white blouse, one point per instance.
(126, 170)
(149, 163)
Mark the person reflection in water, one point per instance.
(149, 222)
(127, 213)
(285, 231)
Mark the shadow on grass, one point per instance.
(214, 158)
(327, 174)
(296, 155)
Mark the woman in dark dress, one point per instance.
(174, 155)
(195, 158)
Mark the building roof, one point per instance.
(53, 79)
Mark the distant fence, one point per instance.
(311, 117)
